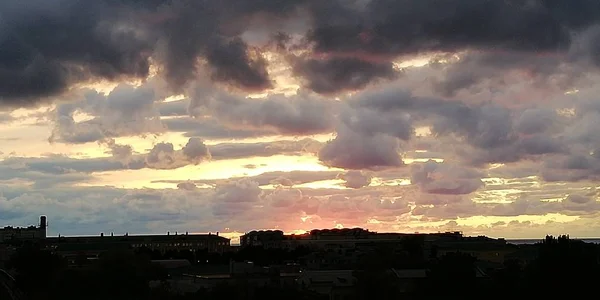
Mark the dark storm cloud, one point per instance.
(231, 63)
(327, 76)
(495, 67)
(392, 27)
(46, 46)
(211, 30)
(516, 31)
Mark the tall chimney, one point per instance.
(43, 226)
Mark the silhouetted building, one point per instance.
(336, 238)
(94, 245)
(10, 233)
(266, 238)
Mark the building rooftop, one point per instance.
(138, 238)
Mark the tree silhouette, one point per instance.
(563, 262)
(453, 275)
(37, 270)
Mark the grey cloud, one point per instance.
(355, 150)
(6, 118)
(211, 128)
(356, 179)
(406, 27)
(371, 122)
(231, 63)
(578, 199)
(49, 46)
(195, 149)
(161, 156)
(571, 167)
(367, 138)
(382, 30)
(583, 129)
(190, 186)
(164, 156)
(444, 178)
(125, 111)
(235, 150)
(494, 133)
(277, 178)
(57, 165)
(536, 120)
(525, 147)
(477, 71)
(236, 197)
(110, 40)
(221, 115)
(334, 75)
(529, 196)
(211, 30)
(174, 108)
(122, 153)
(302, 114)
(486, 127)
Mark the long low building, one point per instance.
(163, 243)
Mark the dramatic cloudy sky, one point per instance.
(148, 116)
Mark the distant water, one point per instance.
(533, 241)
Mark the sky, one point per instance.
(148, 116)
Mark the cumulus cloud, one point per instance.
(442, 178)
(356, 179)
(302, 114)
(236, 197)
(356, 150)
(125, 111)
